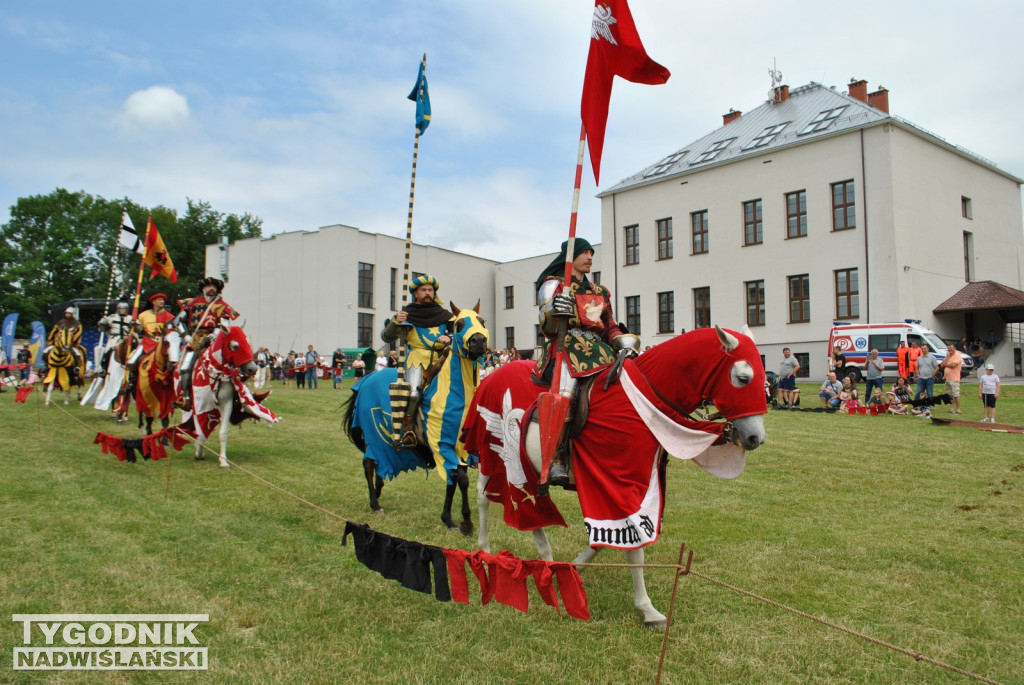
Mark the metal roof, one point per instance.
(985, 296)
(811, 112)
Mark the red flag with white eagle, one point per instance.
(615, 50)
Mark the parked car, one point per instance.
(857, 340)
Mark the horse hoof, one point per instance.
(225, 466)
(200, 457)
(659, 624)
(449, 524)
(378, 510)
(466, 528)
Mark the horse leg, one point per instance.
(652, 617)
(49, 391)
(540, 538)
(224, 426)
(466, 527)
(449, 497)
(483, 540)
(200, 439)
(149, 425)
(370, 471)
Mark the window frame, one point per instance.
(632, 244)
(758, 304)
(632, 303)
(699, 233)
(800, 215)
(756, 223)
(510, 297)
(847, 208)
(700, 307)
(663, 231)
(803, 297)
(851, 297)
(364, 287)
(667, 311)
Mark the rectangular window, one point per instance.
(823, 120)
(510, 336)
(393, 299)
(968, 256)
(844, 215)
(699, 221)
(755, 302)
(633, 314)
(804, 360)
(847, 294)
(712, 152)
(666, 312)
(510, 296)
(965, 207)
(765, 137)
(753, 231)
(632, 245)
(799, 299)
(595, 277)
(796, 214)
(702, 307)
(365, 285)
(364, 330)
(884, 342)
(665, 238)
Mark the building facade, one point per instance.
(818, 206)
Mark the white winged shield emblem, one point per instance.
(600, 25)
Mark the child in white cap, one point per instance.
(988, 391)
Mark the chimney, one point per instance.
(879, 99)
(781, 94)
(858, 90)
(731, 116)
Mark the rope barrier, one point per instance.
(680, 568)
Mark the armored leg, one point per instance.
(559, 474)
(185, 374)
(413, 376)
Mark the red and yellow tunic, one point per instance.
(203, 317)
(153, 328)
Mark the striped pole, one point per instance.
(400, 391)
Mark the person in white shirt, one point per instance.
(988, 391)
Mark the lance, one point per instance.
(122, 410)
(400, 391)
(552, 406)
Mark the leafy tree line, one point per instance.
(60, 246)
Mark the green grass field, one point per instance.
(906, 531)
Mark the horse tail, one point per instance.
(353, 432)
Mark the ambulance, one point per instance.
(857, 340)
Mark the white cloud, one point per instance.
(156, 107)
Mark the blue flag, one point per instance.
(35, 343)
(10, 321)
(421, 96)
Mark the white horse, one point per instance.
(218, 383)
(655, 393)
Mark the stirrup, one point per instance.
(558, 475)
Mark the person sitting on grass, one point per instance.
(877, 398)
(830, 389)
(899, 397)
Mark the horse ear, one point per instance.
(477, 307)
(749, 333)
(729, 341)
(455, 310)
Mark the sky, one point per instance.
(297, 112)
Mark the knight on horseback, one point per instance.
(154, 392)
(582, 315)
(196, 322)
(117, 326)
(425, 325)
(65, 355)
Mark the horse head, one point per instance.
(471, 338)
(716, 365)
(233, 349)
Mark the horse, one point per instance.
(219, 394)
(367, 420)
(113, 381)
(619, 452)
(66, 362)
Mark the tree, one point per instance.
(58, 247)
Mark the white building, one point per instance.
(817, 206)
(814, 207)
